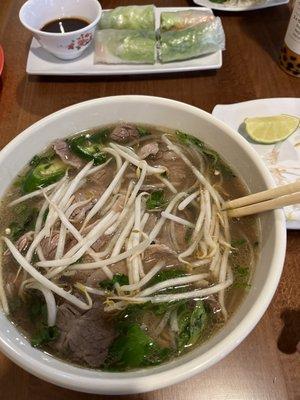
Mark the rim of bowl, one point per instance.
(126, 382)
(40, 32)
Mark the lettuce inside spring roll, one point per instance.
(125, 46)
(192, 42)
(170, 21)
(129, 17)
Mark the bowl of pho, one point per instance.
(120, 272)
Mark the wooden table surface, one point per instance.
(266, 365)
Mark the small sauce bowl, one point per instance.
(35, 14)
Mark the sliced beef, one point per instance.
(149, 149)
(78, 215)
(159, 252)
(84, 337)
(100, 243)
(124, 133)
(62, 149)
(24, 241)
(179, 174)
(49, 246)
(95, 185)
(95, 276)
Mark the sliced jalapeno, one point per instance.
(43, 175)
(87, 149)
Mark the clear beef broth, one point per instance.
(95, 337)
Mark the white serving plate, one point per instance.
(223, 7)
(283, 158)
(40, 62)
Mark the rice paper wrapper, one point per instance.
(114, 46)
(171, 21)
(130, 17)
(204, 38)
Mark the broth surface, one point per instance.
(129, 324)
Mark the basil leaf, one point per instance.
(45, 335)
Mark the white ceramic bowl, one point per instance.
(35, 14)
(237, 152)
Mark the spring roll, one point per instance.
(130, 17)
(172, 21)
(192, 42)
(125, 46)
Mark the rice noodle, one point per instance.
(42, 279)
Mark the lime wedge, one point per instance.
(271, 129)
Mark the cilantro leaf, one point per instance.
(213, 156)
(109, 284)
(156, 200)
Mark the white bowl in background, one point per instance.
(35, 14)
(237, 152)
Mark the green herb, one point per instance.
(212, 155)
(45, 335)
(25, 221)
(192, 322)
(18, 182)
(165, 274)
(218, 1)
(109, 284)
(143, 131)
(238, 242)
(100, 137)
(156, 200)
(133, 349)
(241, 277)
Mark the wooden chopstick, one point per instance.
(265, 205)
(262, 196)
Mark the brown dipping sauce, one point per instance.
(68, 24)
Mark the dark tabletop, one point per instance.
(265, 366)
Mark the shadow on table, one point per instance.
(290, 334)
(267, 28)
(25, 386)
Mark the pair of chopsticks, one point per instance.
(281, 196)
